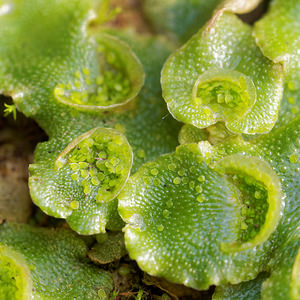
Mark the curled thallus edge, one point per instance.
(260, 171)
(239, 6)
(234, 6)
(261, 38)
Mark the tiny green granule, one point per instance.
(141, 153)
(176, 180)
(166, 213)
(293, 158)
(201, 178)
(172, 167)
(74, 205)
(154, 172)
(160, 227)
(199, 189)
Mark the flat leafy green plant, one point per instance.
(213, 200)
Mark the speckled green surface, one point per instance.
(179, 18)
(110, 250)
(220, 210)
(48, 60)
(284, 280)
(278, 35)
(190, 134)
(249, 290)
(282, 284)
(57, 260)
(172, 206)
(159, 237)
(222, 60)
(184, 227)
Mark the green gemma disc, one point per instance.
(119, 78)
(223, 94)
(99, 161)
(260, 195)
(15, 279)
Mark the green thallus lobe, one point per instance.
(181, 18)
(167, 207)
(118, 80)
(214, 134)
(231, 208)
(100, 161)
(278, 35)
(44, 263)
(220, 74)
(109, 250)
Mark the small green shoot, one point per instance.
(10, 109)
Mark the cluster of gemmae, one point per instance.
(221, 207)
(99, 161)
